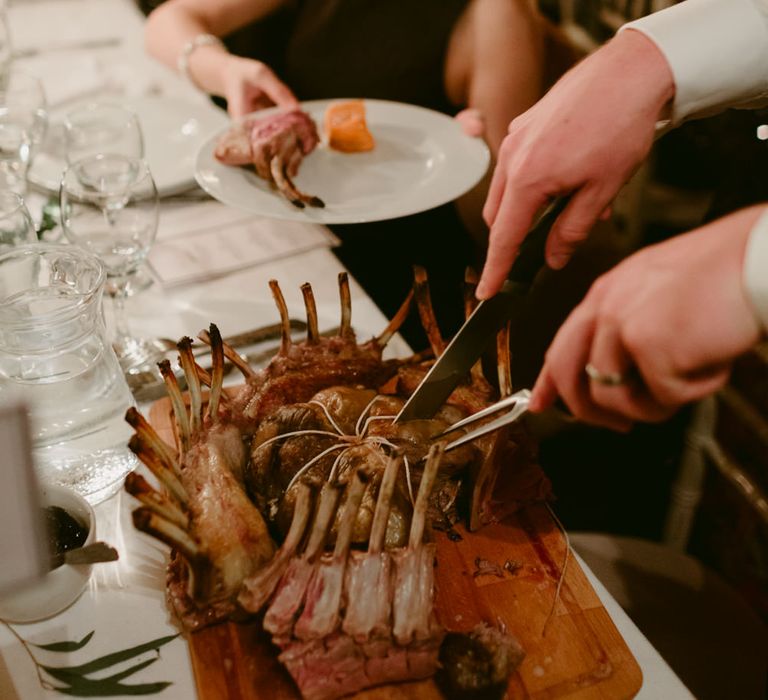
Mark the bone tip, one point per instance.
(164, 366)
(135, 483)
(135, 444)
(419, 273)
(297, 203)
(214, 333)
(185, 343)
(141, 518)
(132, 416)
(317, 202)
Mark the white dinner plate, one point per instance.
(173, 132)
(422, 159)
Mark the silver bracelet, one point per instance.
(182, 63)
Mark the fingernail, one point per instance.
(481, 292)
(534, 405)
(559, 260)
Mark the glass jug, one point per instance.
(55, 355)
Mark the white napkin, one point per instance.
(211, 253)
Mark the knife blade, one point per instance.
(480, 329)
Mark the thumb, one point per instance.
(471, 121)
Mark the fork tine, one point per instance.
(511, 400)
(510, 417)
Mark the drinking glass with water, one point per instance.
(23, 122)
(54, 352)
(109, 205)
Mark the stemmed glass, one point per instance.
(101, 128)
(16, 227)
(23, 121)
(107, 129)
(109, 205)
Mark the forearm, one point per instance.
(755, 273)
(717, 51)
(176, 22)
(507, 73)
(168, 30)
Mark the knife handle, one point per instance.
(530, 258)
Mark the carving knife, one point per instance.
(480, 329)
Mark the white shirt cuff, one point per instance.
(756, 269)
(717, 50)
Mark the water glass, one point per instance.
(109, 205)
(23, 122)
(16, 227)
(102, 129)
(54, 352)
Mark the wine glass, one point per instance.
(16, 227)
(23, 121)
(109, 205)
(102, 128)
(109, 129)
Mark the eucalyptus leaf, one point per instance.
(113, 658)
(96, 689)
(68, 676)
(66, 646)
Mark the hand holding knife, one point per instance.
(480, 329)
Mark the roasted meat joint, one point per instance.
(274, 145)
(295, 499)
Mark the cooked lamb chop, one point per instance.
(331, 654)
(258, 589)
(368, 582)
(291, 591)
(322, 605)
(275, 145)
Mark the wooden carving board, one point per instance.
(579, 655)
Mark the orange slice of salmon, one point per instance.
(345, 127)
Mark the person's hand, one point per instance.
(666, 323)
(472, 122)
(249, 85)
(585, 137)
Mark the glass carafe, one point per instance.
(55, 355)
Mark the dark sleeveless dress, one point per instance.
(394, 50)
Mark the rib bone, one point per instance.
(345, 329)
(323, 597)
(187, 360)
(286, 605)
(426, 310)
(181, 419)
(258, 588)
(367, 585)
(412, 608)
(139, 488)
(155, 464)
(313, 333)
